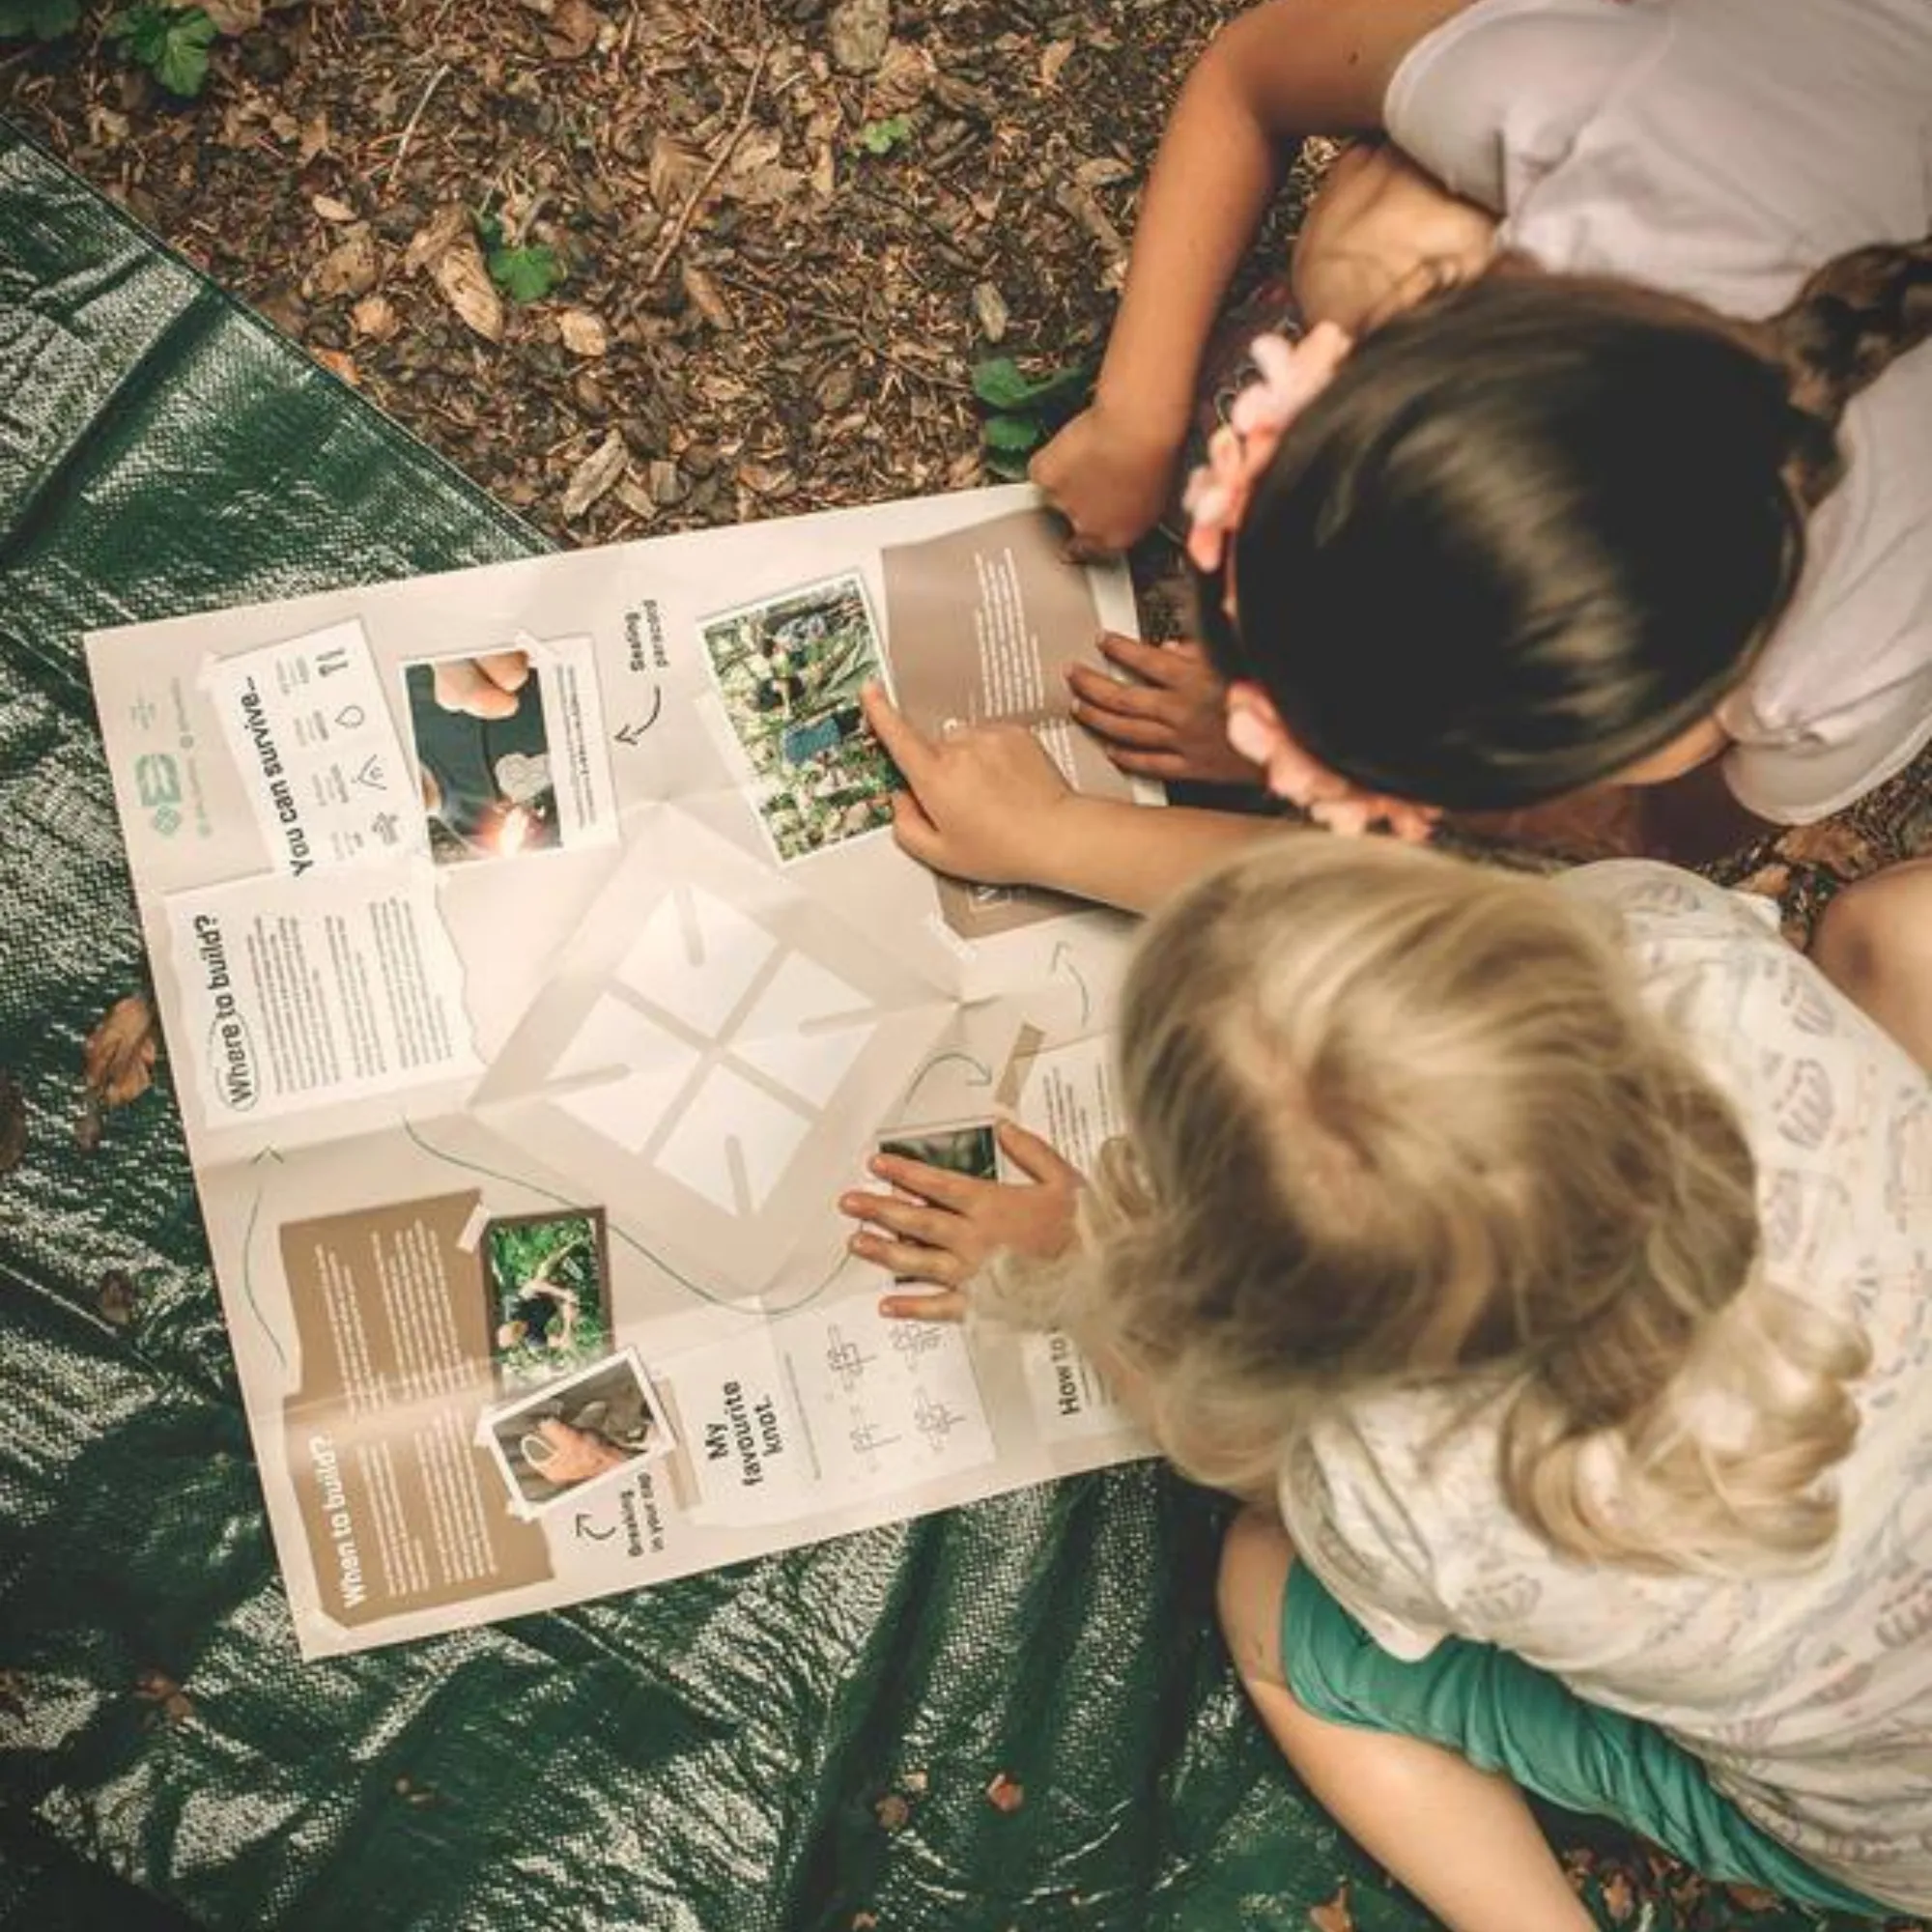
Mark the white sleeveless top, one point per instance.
(1723, 150)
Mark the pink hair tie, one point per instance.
(1292, 374)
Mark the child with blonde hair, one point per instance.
(1550, 1265)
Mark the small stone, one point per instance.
(860, 31)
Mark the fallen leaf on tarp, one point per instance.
(158, 1689)
(893, 1811)
(1006, 1794)
(593, 477)
(1335, 1916)
(118, 1061)
(13, 1123)
(117, 1297)
(583, 333)
(376, 317)
(338, 365)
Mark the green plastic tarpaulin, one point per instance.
(1014, 1715)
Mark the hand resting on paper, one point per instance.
(1170, 722)
(982, 802)
(563, 1455)
(954, 1224)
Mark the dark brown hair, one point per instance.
(1539, 526)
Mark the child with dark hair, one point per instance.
(1638, 480)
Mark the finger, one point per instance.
(946, 1305)
(1158, 663)
(931, 1227)
(1125, 727)
(1163, 765)
(460, 686)
(1036, 1157)
(1109, 694)
(910, 1261)
(906, 744)
(508, 670)
(916, 835)
(937, 1184)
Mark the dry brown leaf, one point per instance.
(1006, 1794)
(902, 81)
(754, 175)
(1052, 61)
(824, 172)
(673, 171)
(164, 1692)
(989, 309)
(13, 1123)
(859, 31)
(573, 30)
(1335, 1916)
(118, 1061)
(765, 479)
(314, 138)
(351, 267)
(593, 477)
(1102, 172)
(460, 274)
(436, 237)
(706, 298)
(1830, 843)
(339, 365)
(376, 317)
(331, 210)
(583, 332)
(233, 16)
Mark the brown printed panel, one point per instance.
(401, 1507)
(981, 626)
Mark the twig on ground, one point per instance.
(661, 260)
(436, 81)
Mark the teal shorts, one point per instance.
(1505, 1714)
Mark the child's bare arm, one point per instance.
(1287, 69)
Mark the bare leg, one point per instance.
(1875, 945)
(1462, 1840)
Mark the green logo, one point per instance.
(157, 784)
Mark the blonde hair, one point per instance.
(1401, 1122)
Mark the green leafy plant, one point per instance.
(171, 43)
(1023, 412)
(524, 273)
(37, 19)
(881, 137)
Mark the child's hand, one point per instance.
(1109, 477)
(1173, 725)
(982, 797)
(957, 1223)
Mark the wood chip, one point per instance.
(331, 210)
(989, 310)
(583, 333)
(376, 317)
(233, 16)
(1052, 61)
(594, 477)
(351, 267)
(573, 30)
(708, 298)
